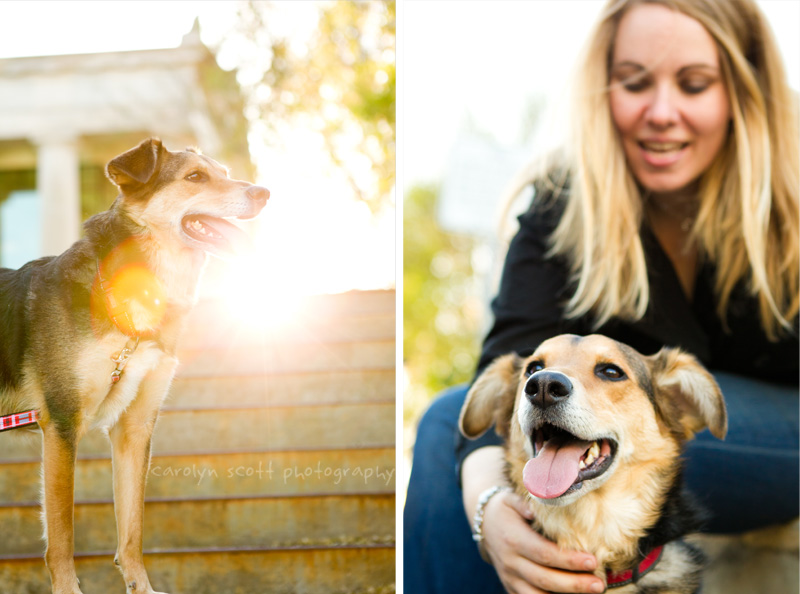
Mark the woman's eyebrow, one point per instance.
(626, 64)
(626, 69)
(699, 66)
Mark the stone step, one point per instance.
(277, 428)
(307, 570)
(336, 305)
(290, 389)
(763, 560)
(208, 327)
(227, 523)
(368, 470)
(287, 358)
(358, 315)
(352, 303)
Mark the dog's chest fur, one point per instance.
(102, 401)
(105, 401)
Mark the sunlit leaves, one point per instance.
(327, 68)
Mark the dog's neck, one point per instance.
(621, 521)
(611, 535)
(174, 273)
(180, 272)
(680, 515)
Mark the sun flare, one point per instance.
(254, 300)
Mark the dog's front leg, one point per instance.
(131, 456)
(59, 452)
(130, 438)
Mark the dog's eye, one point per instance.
(610, 372)
(196, 176)
(533, 367)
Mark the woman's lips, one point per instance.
(661, 153)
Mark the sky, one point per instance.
(38, 28)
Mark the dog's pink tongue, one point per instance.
(555, 469)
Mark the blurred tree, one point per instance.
(442, 308)
(338, 84)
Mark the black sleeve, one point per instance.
(528, 308)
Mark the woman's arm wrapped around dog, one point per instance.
(525, 561)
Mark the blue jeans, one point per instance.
(748, 481)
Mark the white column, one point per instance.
(58, 186)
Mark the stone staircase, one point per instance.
(273, 467)
(758, 562)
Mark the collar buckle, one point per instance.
(121, 358)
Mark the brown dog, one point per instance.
(88, 338)
(594, 431)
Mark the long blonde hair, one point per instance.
(747, 223)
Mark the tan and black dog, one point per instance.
(593, 435)
(88, 338)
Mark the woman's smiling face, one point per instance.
(668, 98)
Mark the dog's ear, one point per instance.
(687, 395)
(134, 168)
(490, 400)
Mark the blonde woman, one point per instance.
(671, 219)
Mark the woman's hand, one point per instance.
(525, 561)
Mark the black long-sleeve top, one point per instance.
(529, 308)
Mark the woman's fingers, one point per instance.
(537, 548)
(545, 552)
(528, 563)
(519, 504)
(549, 579)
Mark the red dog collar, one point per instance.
(631, 576)
(16, 420)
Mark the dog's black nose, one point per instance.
(546, 388)
(258, 194)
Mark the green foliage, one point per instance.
(97, 193)
(442, 309)
(339, 84)
(13, 180)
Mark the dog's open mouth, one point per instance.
(562, 461)
(215, 235)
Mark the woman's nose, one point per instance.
(663, 110)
